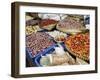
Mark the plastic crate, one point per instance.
(34, 58)
(48, 51)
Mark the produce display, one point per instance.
(32, 29)
(37, 42)
(57, 39)
(70, 25)
(78, 18)
(79, 45)
(48, 24)
(32, 22)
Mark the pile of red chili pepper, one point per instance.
(46, 22)
(79, 44)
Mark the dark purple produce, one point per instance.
(37, 42)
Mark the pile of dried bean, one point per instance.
(37, 42)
